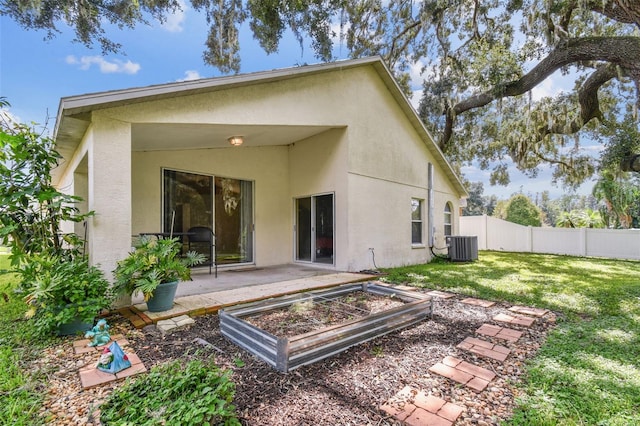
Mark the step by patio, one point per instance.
(415, 408)
(470, 375)
(503, 333)
(484, 348)
(478, 302)
(515, 320)
(527, 310)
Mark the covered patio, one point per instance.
(207, 294)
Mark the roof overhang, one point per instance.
(74, 112)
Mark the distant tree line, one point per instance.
(613, 203)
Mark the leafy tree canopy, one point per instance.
(482, 58)
(519, 209)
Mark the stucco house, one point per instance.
(331, 167)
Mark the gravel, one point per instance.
(345, 389)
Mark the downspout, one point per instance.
(430, 205)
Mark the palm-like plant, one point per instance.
(152, 263)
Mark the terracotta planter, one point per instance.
(162, 298)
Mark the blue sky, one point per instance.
(35, 73)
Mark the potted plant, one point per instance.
(64, 293)
(154, 269)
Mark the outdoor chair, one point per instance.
(204, 235)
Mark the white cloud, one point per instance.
(106, 67)
(174, 22)
(190, 75)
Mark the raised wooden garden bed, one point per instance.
(288, 353)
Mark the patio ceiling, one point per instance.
(179, 136)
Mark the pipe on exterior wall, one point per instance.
(430, 204)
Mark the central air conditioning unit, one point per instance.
(462, 249)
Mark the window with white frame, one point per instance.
(416, 221)
(448, 219)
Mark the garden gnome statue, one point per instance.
(113, 359)
(99, 334)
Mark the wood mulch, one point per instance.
(345, 389)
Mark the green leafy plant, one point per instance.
(153, 262)
(195, 393)
(60, 290)
(31, 208)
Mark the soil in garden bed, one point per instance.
(306, 316)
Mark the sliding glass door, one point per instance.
(314, 229)
(225, 205)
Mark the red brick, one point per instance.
(133, 358)
(95, 377)
(477, 371)
(489, 330)
(451, 361)
(523, 321)
(502, 349)
(422, 417)
(428, 402)
(451, 373)
(478, 302)
(509, 334)
(131, 371)
(450, 411)
(498, 356)
(517, 320)
(536, 312)
(479, 342)
(477, 384)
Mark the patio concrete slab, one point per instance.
(206, 303)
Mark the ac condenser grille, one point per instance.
(463, 249)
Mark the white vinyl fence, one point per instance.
(498, 234)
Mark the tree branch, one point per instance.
(621, 51)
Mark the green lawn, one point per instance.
(588, 372)
(20, 396)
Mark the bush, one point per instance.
(60, 290)
(174, 394)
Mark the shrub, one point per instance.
(194, 393)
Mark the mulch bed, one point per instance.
(345, 389)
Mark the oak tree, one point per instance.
(481, 61)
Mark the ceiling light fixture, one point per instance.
(236, 140)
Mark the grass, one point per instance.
(588, 371)
(20, 398)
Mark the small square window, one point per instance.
(416, 221)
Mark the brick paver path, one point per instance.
(478, 302)
(515, 320)
(470, 375)
(536, 312)
(484, 348)
(500, 332)
(415, 408)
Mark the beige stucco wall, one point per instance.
(373, 161)
(318, 165)
(388, 166)
(266, 166)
